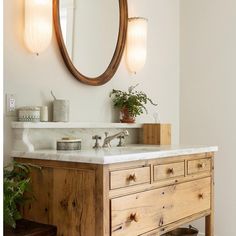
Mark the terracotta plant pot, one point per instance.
(126, 117)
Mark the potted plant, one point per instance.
(131, 103)
(16, 184)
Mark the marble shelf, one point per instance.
(73, 125)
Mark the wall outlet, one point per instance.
(11, 104)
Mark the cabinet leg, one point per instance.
(209, 225)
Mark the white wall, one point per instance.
(208, 97)
(32, 77)
(207, 86)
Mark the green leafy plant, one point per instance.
(16, 184)
(132, 100)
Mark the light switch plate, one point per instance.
(11, 104)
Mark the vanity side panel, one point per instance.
(39, 208)
(102, 201)
(210, 219)
(74, 202)
(65, 196)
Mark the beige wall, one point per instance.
(208, 97)
(32, 77)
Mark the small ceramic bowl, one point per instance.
(67, 144)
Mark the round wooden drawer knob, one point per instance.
(201, 195)
(201, 165)
(171, 171)
(134, 217)
(132, 178)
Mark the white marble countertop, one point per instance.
(115, 155)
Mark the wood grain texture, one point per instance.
(158, 184)
(40, 208)
(168, 171)
(198, 166)
(167, 228)
(102, 201)
(129, 177)
(59, 164)
(115, 62)
(77, 198)
(159, 207)
(65, 197)
(74, 202)
(156, 134)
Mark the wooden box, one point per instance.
(156, 134)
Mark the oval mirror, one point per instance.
(91, 35)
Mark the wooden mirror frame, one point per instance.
(120, 46)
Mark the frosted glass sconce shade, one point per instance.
(38, 24)
(136, 51)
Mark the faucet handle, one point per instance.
(126, 133)
(96, 137)
(120, 137)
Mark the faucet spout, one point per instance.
(108, 139)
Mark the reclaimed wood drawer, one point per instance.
(142, 212)
(167, 171)
(199, 166)
(129, 177)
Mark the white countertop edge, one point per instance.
(72, 125)
(158, 154)
(86, 157)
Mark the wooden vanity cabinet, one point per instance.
(147, 198)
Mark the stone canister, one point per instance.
(61, 109)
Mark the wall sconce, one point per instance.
(136, 50)
(38, 24)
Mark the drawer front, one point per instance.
(199, 166)
(142, 212)
(130, 177)
(167, 171)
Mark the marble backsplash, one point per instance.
(39, 139)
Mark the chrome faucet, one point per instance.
(108, 139)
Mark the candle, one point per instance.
(44, 114)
